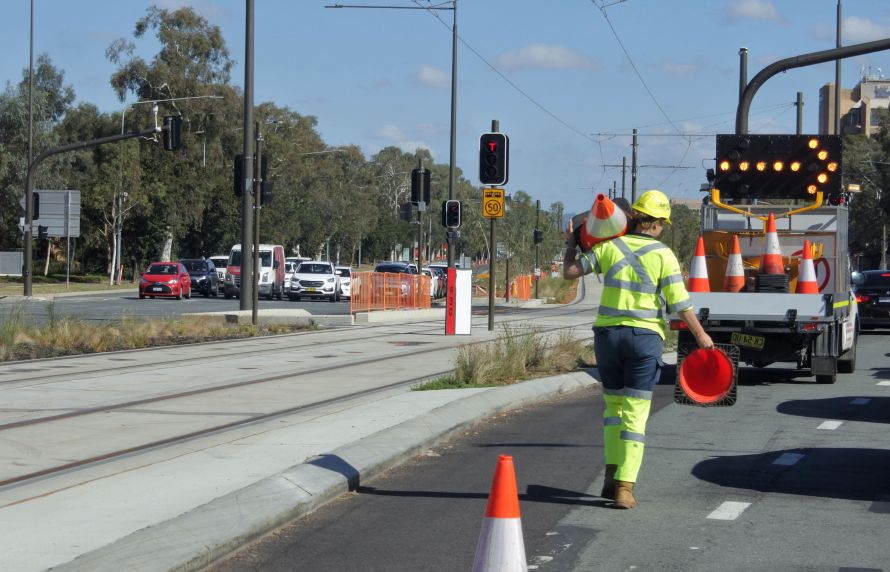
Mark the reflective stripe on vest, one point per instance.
(643, 286)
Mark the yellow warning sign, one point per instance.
(493, 203)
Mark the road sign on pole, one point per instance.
(493, 203)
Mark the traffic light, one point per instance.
(420, 186)
(42, 232)
(35, 213)
(494, 159)
(405, 211)
(239, 175)
(538, 236)
(172, 132)
(451, 214)
(777, 166)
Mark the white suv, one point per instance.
(314, 279)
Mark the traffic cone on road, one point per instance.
(604, 222)
(698, 271)
(734, 281)
(500, 545)
(771, 259)
(806, 276)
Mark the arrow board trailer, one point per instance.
(769, 323)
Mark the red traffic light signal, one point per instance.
(451, 214)
(494, 158)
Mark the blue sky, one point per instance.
(568, 80)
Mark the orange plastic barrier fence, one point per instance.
(521, 288)
(388, 291)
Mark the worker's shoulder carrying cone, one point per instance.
(734, 281)
(501, 547)
(604, 222)
(698, 271)
(771, 259)
(806, 276)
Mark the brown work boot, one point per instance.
(624, 495)
(608, 491)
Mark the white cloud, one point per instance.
(432, 77)
(544, 56)
(857, 30)
(393, 135)
(752, 10)
(679, 68)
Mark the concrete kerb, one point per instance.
(207, 533)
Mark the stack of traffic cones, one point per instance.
(772, 277)
(806, 276)
(604, 222)
(698, 271)
(734, 281)
(501, 547)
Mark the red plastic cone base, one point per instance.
(706, 376)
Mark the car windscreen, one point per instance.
(392, 268)
(220, 262)
(235, 258)
(314, 268)
(345, 272)
(266, 258)
(194, 265)
(876, 279)
(162, 269)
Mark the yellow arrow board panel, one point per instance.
(493, 203)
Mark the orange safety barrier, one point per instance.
(521, 287)
(388, 291)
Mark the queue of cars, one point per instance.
(294, 277)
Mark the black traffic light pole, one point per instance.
(741, 119)
(29, 190)
(493, 253)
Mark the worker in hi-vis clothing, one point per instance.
(640, 274)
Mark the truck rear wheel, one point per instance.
(847, 362)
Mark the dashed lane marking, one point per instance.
(830, 425)
(788, 459)
(729, 510)
(884, 383)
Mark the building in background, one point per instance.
(863, 108)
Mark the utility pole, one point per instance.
(248, 278)
(799, 105)
(837, 76)
(633, 170)
(623, 175)
(537, 246)
(258, 206)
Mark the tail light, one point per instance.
(862, 298)
(678, 325)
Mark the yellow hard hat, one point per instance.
(655, 204)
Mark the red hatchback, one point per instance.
(165, 279)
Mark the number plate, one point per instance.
(883, 300)
(156, 289)
(747, 340)
(310, 289)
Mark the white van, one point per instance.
(270, 282)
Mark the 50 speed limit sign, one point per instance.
(493, 203)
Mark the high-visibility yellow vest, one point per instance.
(640, 277)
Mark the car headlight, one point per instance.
(144, 280)
(265, 276)
(173, 281)
(331, 280)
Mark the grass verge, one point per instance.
(518, 353)
(21, 338)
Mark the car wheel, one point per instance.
(179, 295)
(152, 297)
(141, 296)
(227, 296)
(207, 293)
(215, 293)
(297, 298)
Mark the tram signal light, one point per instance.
(538, 236)
(420, 186)
(494, 159)
(172, 132)
(777, 166)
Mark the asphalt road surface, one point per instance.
(108, 307)
(794, 476)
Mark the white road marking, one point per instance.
(884, 383)
(830, 425)
(860, 401)
(788, 459)
(730, 510)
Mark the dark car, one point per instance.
(396, 268)
(872, 290)
(165, 279)
(203, 274)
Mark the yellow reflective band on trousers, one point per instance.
(624, 431)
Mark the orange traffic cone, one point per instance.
(500, 541)
(698, 271)
(734, 281)
(806, 276)
(771, 259)
(605, 222)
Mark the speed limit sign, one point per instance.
(493, 203)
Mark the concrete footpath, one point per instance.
(184, 508)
